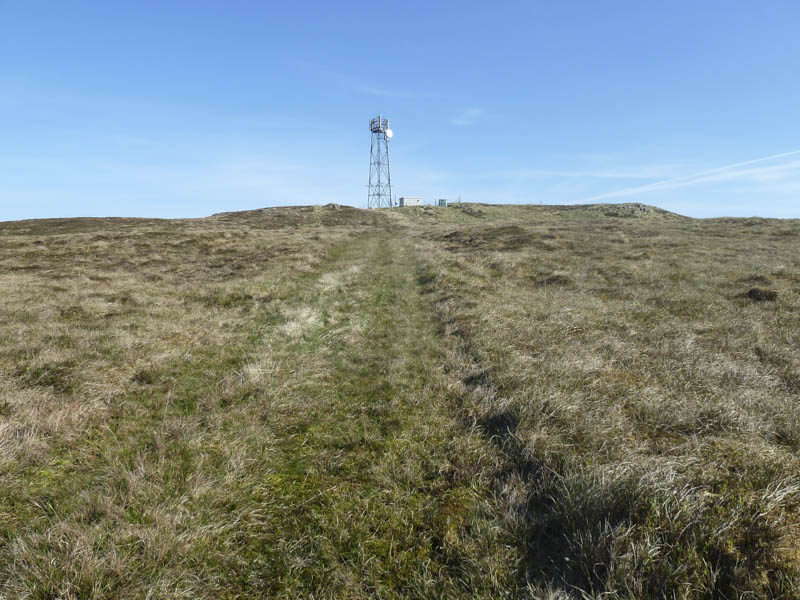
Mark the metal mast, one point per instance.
(379, 192)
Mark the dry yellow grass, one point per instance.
(474, 401)
(649, 403)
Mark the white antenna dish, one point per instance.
(389, 133)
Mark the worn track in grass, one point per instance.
(375, 490)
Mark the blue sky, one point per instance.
(187, 108)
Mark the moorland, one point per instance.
(475, 401)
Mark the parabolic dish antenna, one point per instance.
(389, 133)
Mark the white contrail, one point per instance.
(685, 180)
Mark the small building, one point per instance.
(441, 202)
(404, 201)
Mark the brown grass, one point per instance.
(646, 397)
(474, 401)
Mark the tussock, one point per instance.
(762, 295)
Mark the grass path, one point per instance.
(375, 488)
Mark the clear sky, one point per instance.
(186, 108)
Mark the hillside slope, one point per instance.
(472, 401)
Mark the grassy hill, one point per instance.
(471, 401)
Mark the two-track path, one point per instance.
(372, 486)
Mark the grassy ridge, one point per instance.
(474, 401)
